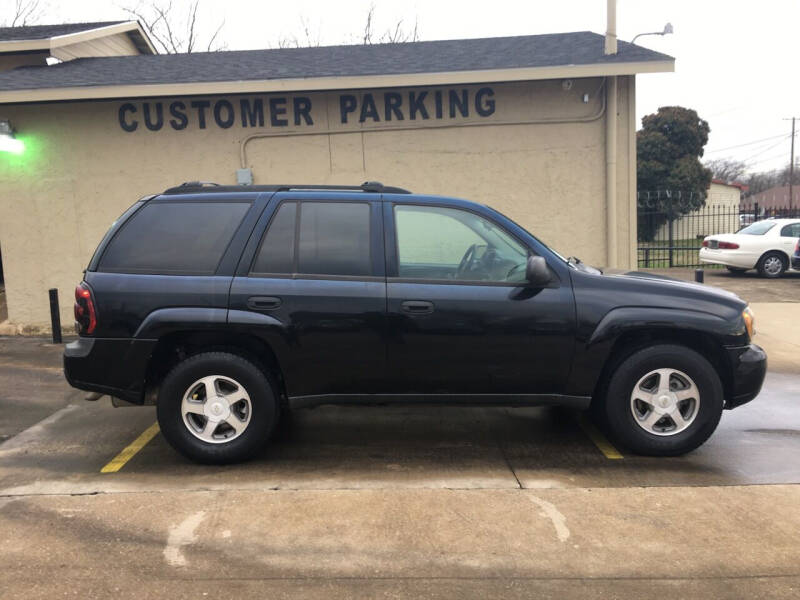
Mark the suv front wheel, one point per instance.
(664, 400)
(217, 408)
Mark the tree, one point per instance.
(23, 12)
(728, 170)
(172, 33)
(397, 33)
(672, 180)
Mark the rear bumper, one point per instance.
(730, 258)
(749, 367)
(796, 263)
(116, 367)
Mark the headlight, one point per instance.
(749, 321)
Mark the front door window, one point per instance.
(447, 244)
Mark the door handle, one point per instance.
(417, 307)
(263, 302)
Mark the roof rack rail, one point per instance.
(373, 187)
(199, 184)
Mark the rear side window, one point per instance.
(791, 230)
(174, 238)
(332, 238)
(758, 228)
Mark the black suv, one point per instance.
(227, 306)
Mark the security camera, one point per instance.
(566, 85)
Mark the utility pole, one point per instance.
(791, 168)
(791, 171)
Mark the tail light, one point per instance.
(728, 246)
(797, 248)
(85, 312)
(705, 243)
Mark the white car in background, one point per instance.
(764, 245)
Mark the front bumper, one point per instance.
(749, 367)
(117, 367)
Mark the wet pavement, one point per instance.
(397, 501)
(329, 448)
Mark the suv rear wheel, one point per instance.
(217, 408)
(665, 400)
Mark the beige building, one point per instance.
(540, 127)
(719, 215)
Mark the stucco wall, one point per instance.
(539, 157)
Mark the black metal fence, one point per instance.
(669, 239)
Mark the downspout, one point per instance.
(611, 172)
(611, 141)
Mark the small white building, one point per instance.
(719, 215)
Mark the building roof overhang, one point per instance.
(443, 62)
(92, 32)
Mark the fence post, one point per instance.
(55, 316)
(671, 242)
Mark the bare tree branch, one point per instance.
(25, 12)
(367, 37)
(172, 33)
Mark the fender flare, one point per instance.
(631, 318)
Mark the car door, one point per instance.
(462, 319)
(788, 237)
(312, 286)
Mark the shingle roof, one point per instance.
(43, 32)
(559, 49)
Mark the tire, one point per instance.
(772, 265)
(625, 416)
(736, 270)
(240, 419)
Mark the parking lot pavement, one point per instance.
(393, 501)
(749, 286)
(31, 383)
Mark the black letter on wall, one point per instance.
(368, 109)
(392, 102)
(277, 107)
(228, 121)
(159, 116)
(254, 114)
(461, 103)
(180, 120)
(484, 108)
(416, 105)
(302, 108)
(201, 106)
(125, 108)
(347, 104)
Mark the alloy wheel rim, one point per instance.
(772, 265)
(216, 409)
(665, 402)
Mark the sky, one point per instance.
(733, 57)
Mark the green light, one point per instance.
(11, 144)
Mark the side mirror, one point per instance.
(536, 271)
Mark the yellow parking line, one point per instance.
(599, 439)
(130, 451)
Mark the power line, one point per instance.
(774, 137)
(767, 149)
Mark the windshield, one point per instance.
(757, 228)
